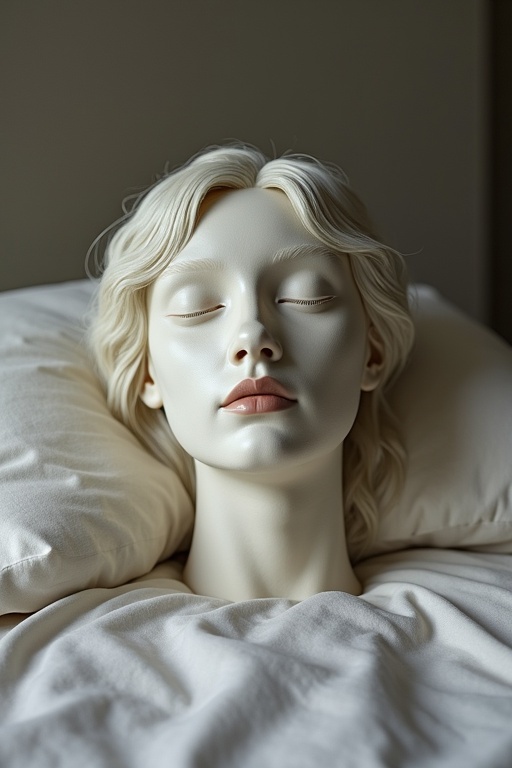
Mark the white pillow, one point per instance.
(82, 504)
(455, 404)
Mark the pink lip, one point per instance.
(263, 395)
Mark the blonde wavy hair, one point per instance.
(158, 227)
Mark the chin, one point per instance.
(272, 453)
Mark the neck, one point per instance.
(280, 534)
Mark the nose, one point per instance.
(254, 341)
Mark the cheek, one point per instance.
(333, 370)
(350, 351)
(182, 389)
(184, 371)
(330, 352)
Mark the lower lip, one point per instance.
(259, 404)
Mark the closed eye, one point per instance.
(306, 302)
(199, 313)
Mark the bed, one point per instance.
(106, 657)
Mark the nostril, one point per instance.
(265, 351)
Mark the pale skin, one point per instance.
(259, 348)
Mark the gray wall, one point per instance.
(96, 96)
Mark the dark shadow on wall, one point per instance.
(501, 160)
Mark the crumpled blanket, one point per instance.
(417, 672)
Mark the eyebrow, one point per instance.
(283, 255)
(195, 265)
(301, 251)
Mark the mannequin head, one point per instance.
(254, 299)
(310, 207)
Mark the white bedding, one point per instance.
(416, 672)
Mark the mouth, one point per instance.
(251, 396)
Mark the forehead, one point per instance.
(254, 222)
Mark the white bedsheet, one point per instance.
(417, 672)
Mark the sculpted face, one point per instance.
(258, 340)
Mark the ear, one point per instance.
(150, 394)
(373, 370)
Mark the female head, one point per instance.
(160, 227)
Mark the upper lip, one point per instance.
(264, 386)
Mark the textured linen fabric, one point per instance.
(417, 673)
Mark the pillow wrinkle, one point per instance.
(81, 501)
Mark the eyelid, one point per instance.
(306, 302)
(196, 314)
